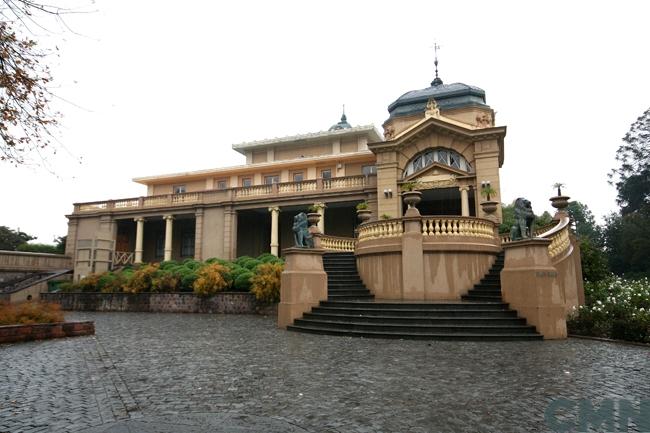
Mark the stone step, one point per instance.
(481, 298)
(351, 309)
(349, 292)
(478, 336)
(343, 278)
(417, 328)
(489, 286)
(364, 297)
(423, 320)
(459, 305)
(495, 293)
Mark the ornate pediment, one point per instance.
(436, 176)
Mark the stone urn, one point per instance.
(411, 198)
(560, 202)
(489, 206)
(313, 218)
(364, 215)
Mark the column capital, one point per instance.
(198, 211)
(274, 209)
(320, 204)
(168, 217)
(464, 188)
(139, 219)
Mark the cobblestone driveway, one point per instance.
(144, 365)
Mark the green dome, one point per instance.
(447, 96)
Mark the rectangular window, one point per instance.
(178, 189)
(246, 182)
(297, 177)
(187, 244)
(271, 179)
(222, 184)
(369, 169)
(326, 174)
(160, 245)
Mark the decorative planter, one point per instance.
(364, 215)
(411, 198)
(560, 202)
(313, 218)
(489, 206)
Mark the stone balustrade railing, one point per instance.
(229, 194)
(457, 226)
(381, 229)
(337, 243)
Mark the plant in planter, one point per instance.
(410, 193)
(314, 208)
(489, 206)
(363, 211)
(559, 202)
(386, 216)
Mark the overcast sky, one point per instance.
(160, 87)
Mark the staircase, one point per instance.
(343, 281)
(351, 310)
(489, 289)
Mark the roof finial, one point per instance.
(436, 81)
(343, 118)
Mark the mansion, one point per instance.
(442, 136)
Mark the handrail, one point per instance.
(337, 243)
(387, 228)
(557, 232)
(446, 225)
(215, 196)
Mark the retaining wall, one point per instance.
(225, 302)
(43, 331)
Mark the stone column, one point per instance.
(304, 284)
(412, 258)
(169, 222)
(529, 283)
(139, 240)
(321, 211)
(464, 200)
(198, 234)
(275, 224)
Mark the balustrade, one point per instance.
(335, 243)
(381, 229)
(457, 226)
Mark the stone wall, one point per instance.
(43, 331)
(226, 302)
(17, 261)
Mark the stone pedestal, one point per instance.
(529, 284)
(303, 284)
(412, 258)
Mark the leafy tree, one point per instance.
(59, 243)
(11, 239)
(508, 218)
(627, 235)
(592, 255)
(632, 176)
(585, 223)
(38, 248)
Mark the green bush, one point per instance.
(242, 282)
(210, 280)
(265, 284)
(614, 308)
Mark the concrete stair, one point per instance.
(351, 311)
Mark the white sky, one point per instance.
(169, 86)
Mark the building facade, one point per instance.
(443, 137)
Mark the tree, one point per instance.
(592, 254)
(632, 176)
(26, 118)
(627, 243)
(508, 218)
(11, 239)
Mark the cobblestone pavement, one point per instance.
(144, 367)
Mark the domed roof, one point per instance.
(447, 96)
(343, 124)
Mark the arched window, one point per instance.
(447, 157)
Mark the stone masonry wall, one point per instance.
(43, 331)
(226, 302)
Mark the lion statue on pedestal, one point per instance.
(301, 235)
(524, 226)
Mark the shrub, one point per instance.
(168, 265)
(242, 282)
(252, 264)
(69, 286)
(30, 312)
(615, 308)
(142, 278)
(89, 283)
(165, 281)
(265, 284)
(210, 280)
(192, 264)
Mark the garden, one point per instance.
(614, 308)
(260, 276)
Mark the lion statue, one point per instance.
(301, 235)
(524, 226)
